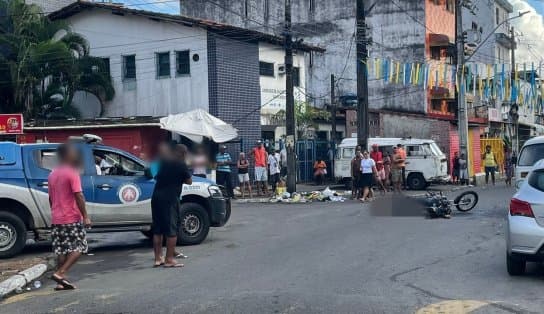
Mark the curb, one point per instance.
(23, 278)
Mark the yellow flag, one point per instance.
(398, 73)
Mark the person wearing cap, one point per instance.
(224, 161)
(377, 156)
(261, 162)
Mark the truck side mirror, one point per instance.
(148, 174)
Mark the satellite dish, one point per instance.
(87, 104)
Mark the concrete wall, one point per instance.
(331, 24)
(112, 36)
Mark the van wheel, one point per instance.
(12, 235)
(195, 224)
(515, 266)
(416, 181)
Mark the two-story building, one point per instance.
(163, 64)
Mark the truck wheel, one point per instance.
(12, 235)
(416, 181)
(195, 224)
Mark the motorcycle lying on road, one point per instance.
(438, 205)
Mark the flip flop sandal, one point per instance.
(158, 265)
(180, 255)
(63, 282)
(173, 266)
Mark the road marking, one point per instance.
(63, 308)
(26, 295)
(452, 307)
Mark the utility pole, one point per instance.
(514, 119)
(461, 103)
(362, 77)
(333, 119)
(289, 103)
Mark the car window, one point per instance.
(531, 154)
(46, 159)
(113, 164)
(536, 180)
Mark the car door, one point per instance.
(122, 193)
(39, 162)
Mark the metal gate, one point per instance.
(307, 153)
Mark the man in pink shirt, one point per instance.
(68, 214)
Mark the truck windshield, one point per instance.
(531, 154)
(435, 149)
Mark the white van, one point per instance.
(531, 152)
(425, 161)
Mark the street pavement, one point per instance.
(308, 258)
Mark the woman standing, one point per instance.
(320, 170)
(508, 167)
(243, 175)
(171, 176)
(368, 171)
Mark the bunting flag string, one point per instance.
(485, 82)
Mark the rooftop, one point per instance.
(234, 32)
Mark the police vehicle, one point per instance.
(118, 199)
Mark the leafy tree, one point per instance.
(43, 63)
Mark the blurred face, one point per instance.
(365, 154)
(164, 150)
(395, 150)
(242, 156)
(488, 149)
(72, 156)
(222, 149)
(375, 148)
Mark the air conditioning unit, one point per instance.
(281, 69)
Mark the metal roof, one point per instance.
(234, 32)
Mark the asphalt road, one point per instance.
(308, 258)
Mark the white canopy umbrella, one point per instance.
(198, 124)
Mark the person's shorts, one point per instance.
(381, 174)
(396, 175)
(243, 177)
(69, 238)
(260, 174)
(489, 170)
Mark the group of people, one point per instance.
(490, 163)
(386, 171)
(269, 168)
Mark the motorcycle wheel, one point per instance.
(466, 201)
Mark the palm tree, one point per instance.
(43, 63)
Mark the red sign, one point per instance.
(11, 123)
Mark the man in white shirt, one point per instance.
(274, 167)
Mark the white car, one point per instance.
(531, 152)
(525, 229)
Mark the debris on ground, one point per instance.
(305, 197)
(13, 266)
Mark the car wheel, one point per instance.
(195, 224)
(416, 181)
(12, 235)
(515, 266)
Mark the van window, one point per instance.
(531, 154)
(348, 153)
(419, 150)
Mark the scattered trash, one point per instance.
(305, 197)
(37, 284)
(19, 290)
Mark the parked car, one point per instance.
(525, 228)
(425, 162)
(118, 201)
(531, 152)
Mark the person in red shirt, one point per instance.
(261, 162)
(377, 156)
(68, 214)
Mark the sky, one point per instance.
(530, 28)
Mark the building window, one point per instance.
(311, 62)
(106, 68)
(163, 64)
(296, 76)
(450, 6)
(497, 16)
(474, 26)
(312, 6)
(266, 9)
(266, 68)
(246, 8)
(129, 67)
(435, 53)
(183, 64)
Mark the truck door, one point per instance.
(122, 192)
(39, 162)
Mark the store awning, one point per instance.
(439, 40)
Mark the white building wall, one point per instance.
(273, 88)
(112, 36)
(50, 5)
